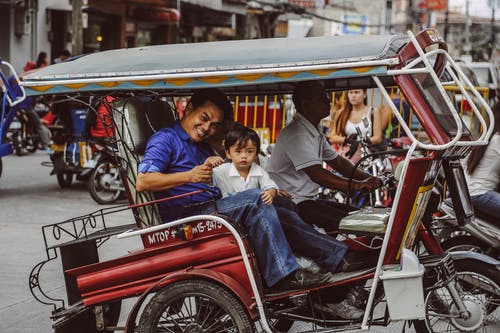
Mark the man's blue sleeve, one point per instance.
(159, 153)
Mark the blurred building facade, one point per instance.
(31, 26)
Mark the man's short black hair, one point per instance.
(303, 90)
(215, 96)
(240, 135)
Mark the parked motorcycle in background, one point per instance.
(22, 133)
(105, 184)
(454, 221)
(79, 153)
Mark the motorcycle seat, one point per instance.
(370, 221)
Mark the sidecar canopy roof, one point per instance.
(219, 64)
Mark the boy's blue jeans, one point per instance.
(305, 240)
(274, 255)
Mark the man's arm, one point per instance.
(157, 181)
(325, 178)
(345, 167)
(362, 181)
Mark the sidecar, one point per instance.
(198, 274)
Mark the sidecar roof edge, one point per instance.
(219, 64)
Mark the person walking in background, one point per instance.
(63, 56)
(42, 60)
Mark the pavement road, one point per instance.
(29, 199)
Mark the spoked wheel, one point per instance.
(480, 293)
(64, 179)
(105, 183)
(194, 306)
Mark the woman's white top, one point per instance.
(365, 126)
(486, 175)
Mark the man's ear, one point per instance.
(189, 108)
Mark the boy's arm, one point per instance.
(266, 182)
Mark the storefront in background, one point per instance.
(119, 24)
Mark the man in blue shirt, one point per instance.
(177, 160)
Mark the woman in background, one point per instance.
(357, 116)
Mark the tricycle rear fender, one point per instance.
(242, 293)
(463, 255)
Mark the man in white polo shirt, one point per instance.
(296, 161)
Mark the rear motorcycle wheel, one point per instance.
(103, 182)
(479, 283)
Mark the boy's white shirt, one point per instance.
(227, 178)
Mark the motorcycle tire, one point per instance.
(17, 144)
(486, 277)
(99, 181)
(64, 179)
(214, 309)
(31, 143)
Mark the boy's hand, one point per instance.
(268, 196)
(214, 161)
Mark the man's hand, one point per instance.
(214, 161)
(350, 139)
(201, 174)
(268, 196)
(367, 185)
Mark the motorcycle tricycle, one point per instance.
(198, 273)
(11, 97)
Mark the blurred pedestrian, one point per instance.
(42, 60)
(63, 56)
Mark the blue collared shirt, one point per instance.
(171, 150)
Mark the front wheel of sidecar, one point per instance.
(194, 306)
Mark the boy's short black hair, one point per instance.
(215, 96)
(240, 135)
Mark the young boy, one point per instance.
(242, 146)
